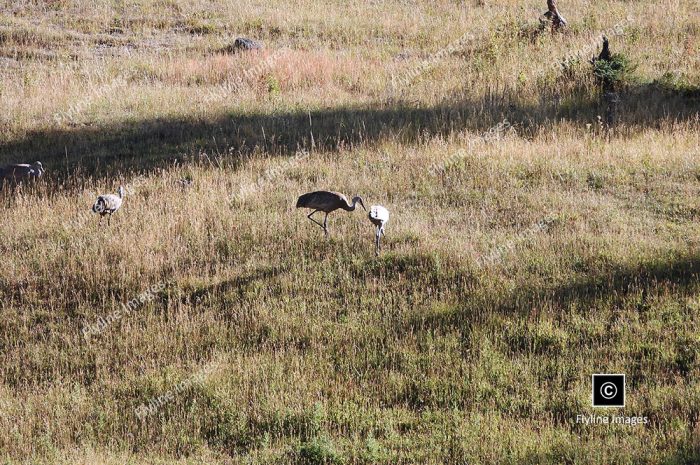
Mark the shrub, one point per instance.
(617, 70)
(320, 450)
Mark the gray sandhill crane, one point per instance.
(107, 204)
(21, 171)
(379, 216)
(327, 202)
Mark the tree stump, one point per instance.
(610, 96)
(552, 13)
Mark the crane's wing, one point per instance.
(379, 213)
(324, 200)
(106, 203)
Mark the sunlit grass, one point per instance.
(470, 339)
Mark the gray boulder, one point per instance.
(243, 44)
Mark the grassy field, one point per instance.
(529, 245)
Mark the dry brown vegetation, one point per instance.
(529, 258)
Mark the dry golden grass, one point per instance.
(471, 339)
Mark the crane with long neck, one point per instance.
(327, 202)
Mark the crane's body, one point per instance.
(379, 216)
(107, 204)
(21, 171)
(327, 202)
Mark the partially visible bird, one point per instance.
(108, 204)
(185, 183)
(21, 171)
(379, 216)
(327, 202)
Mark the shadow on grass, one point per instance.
(659, 101)
(606, 288)
(237, 284)
(689, 455)
(145, 144)
(681, 272)
(570, 454)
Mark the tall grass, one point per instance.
(471, 339)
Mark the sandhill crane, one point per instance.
(379, 216)
(21, 171)
(327, 202)
(108, 204)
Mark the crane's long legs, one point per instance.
(325, 225)
(378, 244)
(377, 247)
(309, 217)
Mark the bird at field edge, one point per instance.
(21, 171)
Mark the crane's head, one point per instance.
(357, 199)
(121, 191)
(39, 167)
